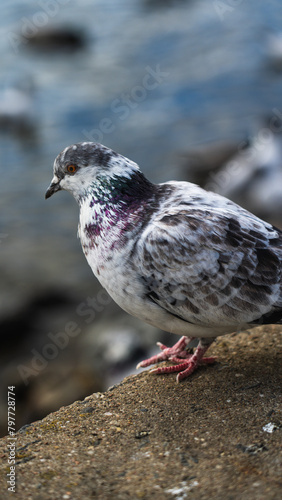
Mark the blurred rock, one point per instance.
(253, 177)
(274, 52)
(25, 327)
(158, 4)
(196, 164)
(115, 347)
(64, 39)
(17, 110)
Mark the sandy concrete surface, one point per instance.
(216, 435)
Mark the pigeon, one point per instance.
(186, 260)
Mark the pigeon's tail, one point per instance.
(270, 318)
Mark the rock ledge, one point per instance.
(151, 438)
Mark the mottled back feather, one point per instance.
(212, 267)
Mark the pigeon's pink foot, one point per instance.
(187, 363)
(169, 353)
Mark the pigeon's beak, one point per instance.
(53, 188)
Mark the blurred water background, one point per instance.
(182, 88)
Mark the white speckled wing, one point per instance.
(212, 266)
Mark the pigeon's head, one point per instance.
(82, 165)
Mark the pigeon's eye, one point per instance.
(71, 169)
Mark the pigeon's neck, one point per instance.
(114, 208)
(120, 193)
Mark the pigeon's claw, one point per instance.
(185, 367)
(168, 353)
(186, 363)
